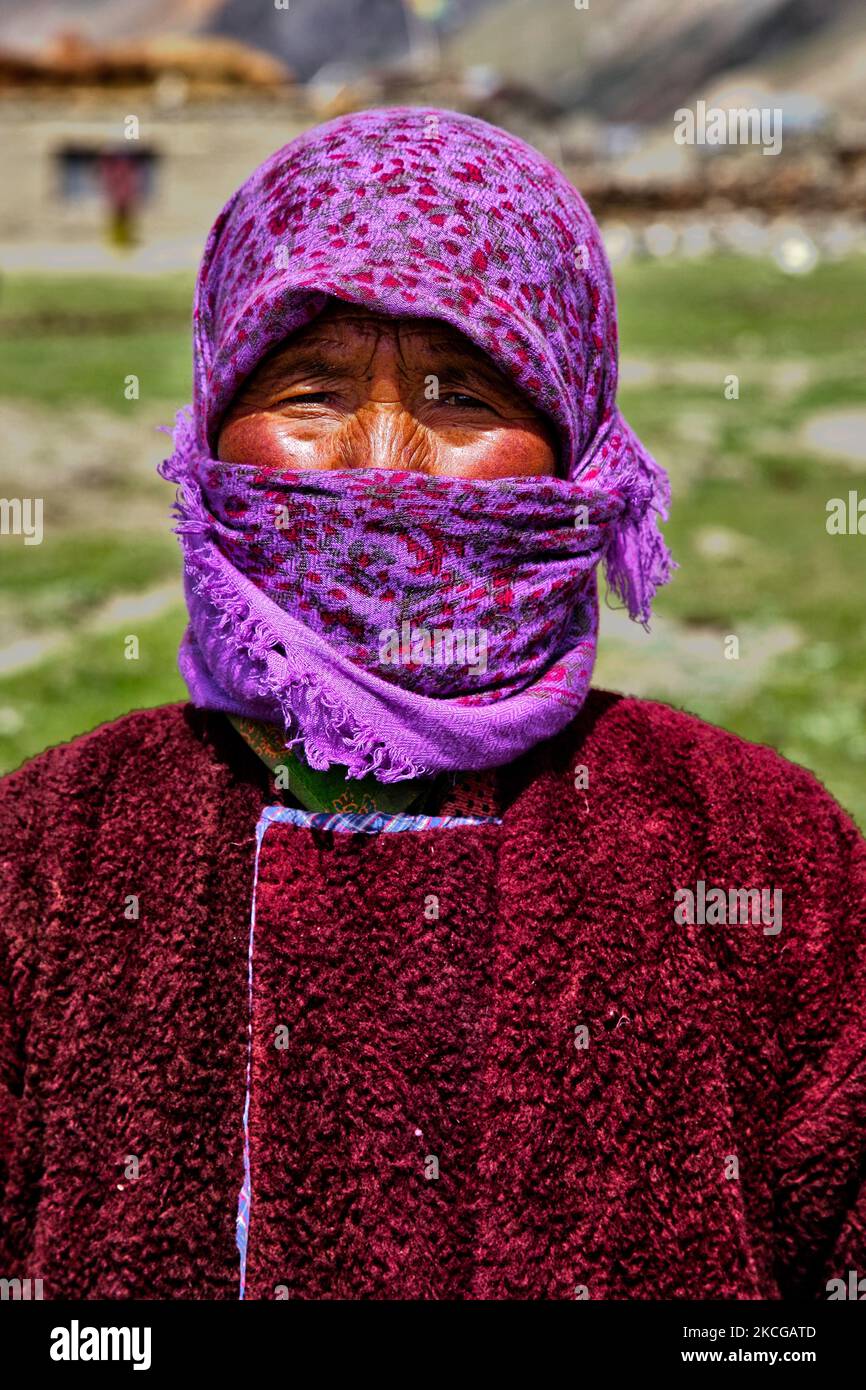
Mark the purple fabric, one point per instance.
(351, 607)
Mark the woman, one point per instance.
(398, 963)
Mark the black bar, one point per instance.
(297, 1341)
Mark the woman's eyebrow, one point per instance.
(468, 373)
(459, 371)
(308, 362)
(335, 359)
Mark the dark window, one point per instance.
(117, 171)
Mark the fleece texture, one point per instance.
(487, 1062)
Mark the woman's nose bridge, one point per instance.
(385, 434)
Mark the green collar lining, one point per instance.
(328, 790)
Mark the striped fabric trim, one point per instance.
(242, 1222)
(372, 823)
(365, 823)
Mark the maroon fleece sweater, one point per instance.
(552, 1090)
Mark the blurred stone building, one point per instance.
(138, 144)
(168, 129)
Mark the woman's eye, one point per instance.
(305, 398)
(460, 398)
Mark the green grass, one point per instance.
(56, 588)
(127, 300)
(748, 317)
(71, 339)
(709, 308)
(739, 467)
(89, 681)
(67, 375)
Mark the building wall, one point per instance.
(203, 153)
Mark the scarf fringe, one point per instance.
(637, 560)
(635, 556)
(310, 716)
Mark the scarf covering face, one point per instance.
(392, 622)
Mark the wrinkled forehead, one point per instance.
(413, 213)
(349, 335)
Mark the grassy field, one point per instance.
(751, 486)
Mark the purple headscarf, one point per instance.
(393, 622)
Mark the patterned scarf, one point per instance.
(395, 623)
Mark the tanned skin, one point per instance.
(351, 391)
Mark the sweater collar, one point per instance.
(327, 790)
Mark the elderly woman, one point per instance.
(399, 963)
